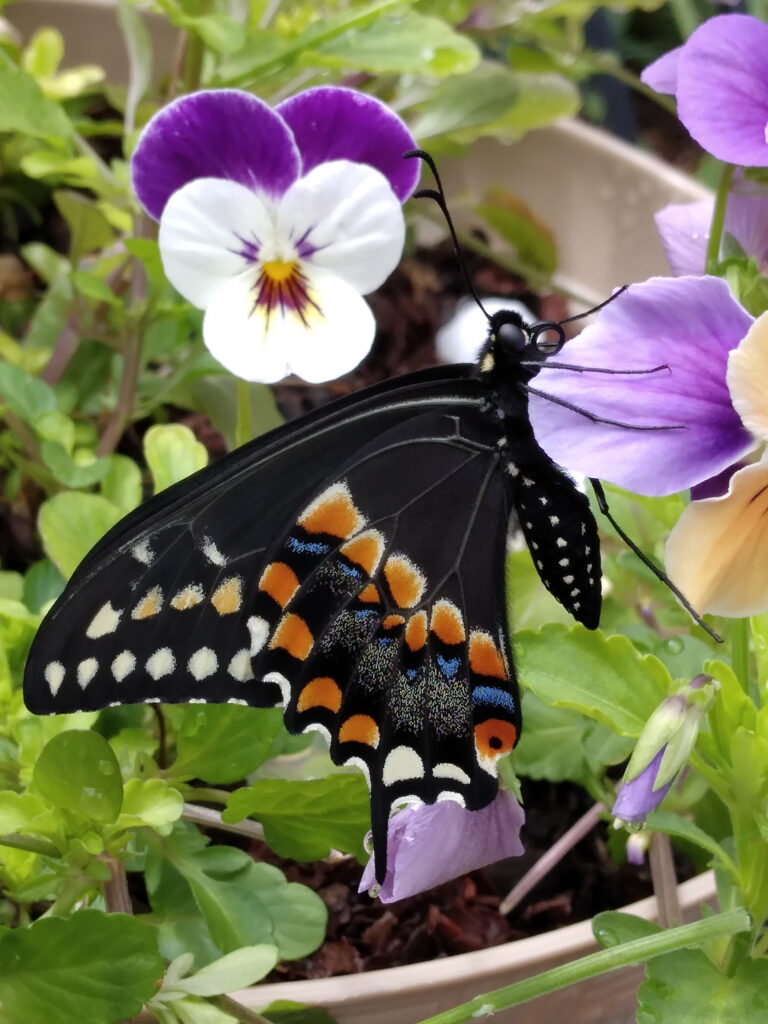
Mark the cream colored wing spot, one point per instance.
(149, 605)
(282, 682)
(143, 552)
(447, 770)
(188, 597)
(212, 553)
(86, 670)
(103, 622)
(240, 666)
(402, 763)
(259, 630)
(161, 663)
(123, 665)
(203, 663)
(54, 676)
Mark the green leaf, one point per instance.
(122, 483)
(24, 108)
(686, 988)
(78, 771)
(284, 1011)
(70, 523)
(245, 903)
(94, 287)
(89, 229)
(11, 585)
(42, 583)
(613, 928)
(219, 31)
(306, 820)
(510, 218)
(149, 802)
(67, 471)
(236, 970)
(138, 44)
(90, 968)
(217, 398)
(409, 44)
(172, 453)
(222, 743)
(24, 394)
(603, 677)
(44, 53)
(676, 825)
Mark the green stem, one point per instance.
(629, 954)
(243, 428)
(194, 51)
(686, 16)
(74, 890)
(32, 845)
(242, 1013)
(718, 218)
(609, 66)
(206, 793)
(712, 777)
(740, 651)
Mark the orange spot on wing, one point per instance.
(370, 595)
(187, 598)
(322, 692)
(280, 582)
(365, 550)
(484, 656)
(416, 631)
(149, 605)
(494, 737)
(333, 512)
(406, 582)
(392, 621)
(360, 729)
(293, 635)
(447, 623)
(228, 596)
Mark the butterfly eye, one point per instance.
(549, 338)
(512, 336)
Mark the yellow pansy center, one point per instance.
(279, 270)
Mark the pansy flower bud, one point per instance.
(663, 749)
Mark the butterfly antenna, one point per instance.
(589, 312)
(438, 195)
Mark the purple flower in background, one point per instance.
(277, 222)
(432, 843)
(684, 230)
(690, 325)
(662, 749)
(720, 79)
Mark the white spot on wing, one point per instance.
(448, 794)
(317, 727)
(54, 676)
(142, 552)
(240, 666)
(402, 763)
(203, 663)
(212, 553)
(103, 622)
(162, 663)
(123, 665)
(358, 762)
(555, 520)
(447, 770)
(86, 670)
(561, 542)
(567, 579)
(282, 682)
(259, 630)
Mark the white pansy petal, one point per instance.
(338, 334)
(747, 378)
(238, 337)
(210, 231)
(718, 552)
(344, 217)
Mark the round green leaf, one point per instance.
(172, 453)
(78, 771)
(71, 523)
(90, 968)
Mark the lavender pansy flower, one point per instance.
(662, 749)
(720, 79)
(684, 230)
(433, 843)
(688, 324)
(277, 222)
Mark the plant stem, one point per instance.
(629, 954)
(243, 426)
(73, 891)
(209, 818)
(242, 1013)
(194, 51)
(685, 15)
(718, 218)
(32, 845)
(664, 881)
(740, 651)
(117, 899)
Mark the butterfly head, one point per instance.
(517, 348)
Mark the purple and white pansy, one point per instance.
(432, 843)
(277, 221)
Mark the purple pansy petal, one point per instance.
(715, 486)
(684, 230)
(344, 217)
(213, 134)
(331, 123)
(722, 88)
(636, 799)
(208, 234)
(662, 74)
(325, 338)
(433, 843)
(688, 323)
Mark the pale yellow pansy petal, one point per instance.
(717, 554)
(747, 378)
